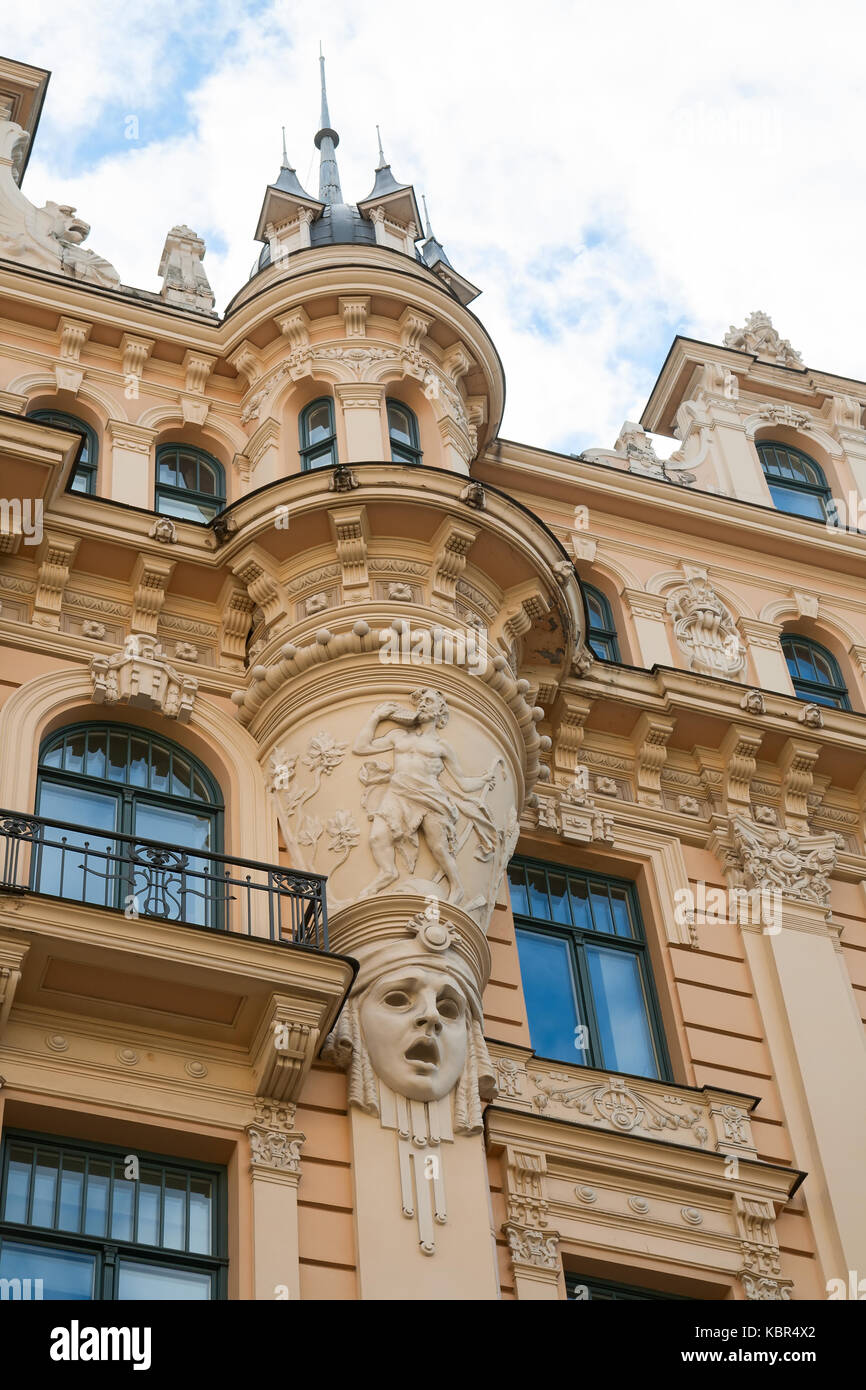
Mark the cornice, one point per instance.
(747, 526)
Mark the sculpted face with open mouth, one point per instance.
(414, 1024)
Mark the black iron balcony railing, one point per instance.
(143, 878)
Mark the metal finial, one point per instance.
(383, 163)
(286, 164)
(426, 215)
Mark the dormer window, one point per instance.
(190, 484)
(403, 433)
(796, 482)
(318, 435)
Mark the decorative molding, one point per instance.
(150, 579)
(705, 629)
(650, 739)
(771, 859)
(141, 676)
(354, 311)
(274, 1143)
(54, 557)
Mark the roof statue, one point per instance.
(759, 337)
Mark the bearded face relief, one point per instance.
(414, 1023)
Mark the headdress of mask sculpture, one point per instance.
(414, 1021)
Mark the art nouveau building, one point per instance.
(375, 789)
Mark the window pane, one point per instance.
(601, 914)
(559, 898)
(96, 750)
(580, 903)
(80, 480)
(402, 454)
(73, 756)
(159, 768)
(323, 459)
(200, 1215)
(96, 1209)
(622, 923)
(122, 1205)
(167, 472)
(44, 1188)
(54, 758)
(66, 869)
(139, 762)
(118, 752)
(178, 892)
(797, 502)
(318, 424)
(399, 425)
(620, 1007)
(186, 508)
(149, 1189)
(551, 996)
(539, 905)
(180, 776)
(65, 1274)
(187, 471)
(71, 1193)
(517, 886)
(18, 1176)
(140, 1279)
(174, 1215)
(207, 479)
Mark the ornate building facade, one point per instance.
(432, 865)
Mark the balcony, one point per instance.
(154, 940)
(143, 878)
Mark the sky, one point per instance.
(608, 175)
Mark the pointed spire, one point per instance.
(285, 164)
(326, 142)
(428, 230)
(383, 163)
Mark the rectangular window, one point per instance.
(97, 1223)
(604, 1291)
(586, 974)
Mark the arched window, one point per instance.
(84, 475)
(797, 484)
(815, 672)
(318, 434)
(602, 632)
(403, 433)
(190, 484)
(106, 779)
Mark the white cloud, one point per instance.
(604, 174)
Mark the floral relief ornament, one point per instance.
(301, 831)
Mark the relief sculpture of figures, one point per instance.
(408, 797)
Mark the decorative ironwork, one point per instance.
(143, 878)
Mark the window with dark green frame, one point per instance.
(318, 435)
(92, 1224)
(796, 482)
(84, 474)
(109, 778)
(403, 433)
(601, 636)
(814, 672)
(593, 1290)
(585, 969)
(190, 484)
